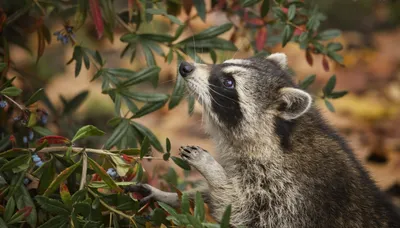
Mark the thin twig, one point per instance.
(14, 102)
(121, 22)
(111, 208)
(84, 171)
(89, 150)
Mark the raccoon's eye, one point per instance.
(229, 83)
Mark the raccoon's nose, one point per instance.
(185, 69)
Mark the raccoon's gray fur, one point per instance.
(280, 164)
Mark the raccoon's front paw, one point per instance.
(195, 155)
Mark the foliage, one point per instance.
(45, 180)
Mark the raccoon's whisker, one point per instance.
(220, 93)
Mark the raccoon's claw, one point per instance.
(194, 154)
(143, 189)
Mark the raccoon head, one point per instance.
(244, 96)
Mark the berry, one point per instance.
(69, 29)
(36, 158)
(56, 33)
(31, 135)
(26, 181)
(25, 139)
(3, 104)
(38, 164)
(44, 118)
(65, 40)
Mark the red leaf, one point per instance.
(54, 139)
(246, 15)
(220, 4)
(26, 210)
(285, 10)
(96, 15)
(127, 158)
(261, 38)
(41, 43)
(309, 57)
(3, 18)
(325, 64)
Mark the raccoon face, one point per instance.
(239, 92)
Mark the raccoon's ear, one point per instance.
(295, 102)
(279, 58)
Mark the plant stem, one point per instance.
(121, 22)
(14, 102)
(84, 171)
(90, 150)
(111, 208)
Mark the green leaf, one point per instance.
(168, 208)
(129, 38)
(2, 223)
(35, 97)
(17, 217)
(22, 160)
(226, 217)
(57, 221)
(121, 166)
(265, 8)
(193, 221)
(145, 147)
(248, 3)
(177, 93)
(52, 206)
(179, 31)
(329, 105)
(199, 212)
(24, 200)
(103, 174)
(42, 130)
(86, 60)
(141, 76)
(200, 6)
(118, 133)
(213, 56)
(148, 54)
(79, 196)
(61, 178)
(291, 12)
(329, 34)
(181, 163)
(332, 47)
(16, 182)
(145, 97)
(81, 13)
(48, 176)
(65, 195)
(168, 145)
(75, 102)
(338, 58)
(330, 85)
(307, 81)
(166, 156)
(162, 12)
(157, 37)
(86, 131)
(148, 108)
(279, 13)
(214, 43)
(152, 138)
(139, 172)
(9, 210)
(336, 95)
(287, 34)
(11, 91)
(185, 205)
(77, 56)
(209, 33)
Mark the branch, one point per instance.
(14, 102)
(84, 171)
(90, 150)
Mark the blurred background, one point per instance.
(368, 117)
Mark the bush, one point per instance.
(45, 179)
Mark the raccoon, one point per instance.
(280, 163)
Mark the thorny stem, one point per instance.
(90, 150)
(111, 208)
(14, 102)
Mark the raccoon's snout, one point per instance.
(185, 69)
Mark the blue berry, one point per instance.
(44, 118)
(65, 40)
(69, 29)
(17, 118)
(38, 164)
(26, 181)
(31, 135)
(36, 159)
(25, 139)
(56, 33)
(3, 104)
